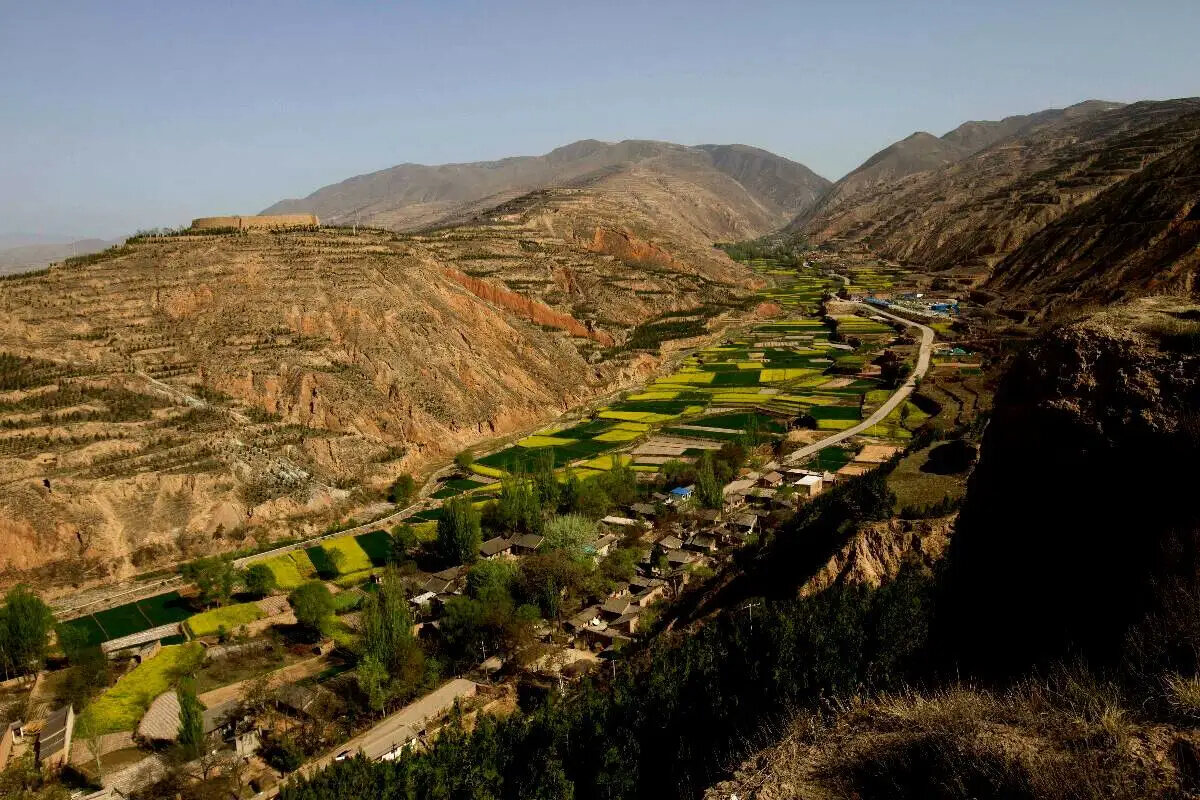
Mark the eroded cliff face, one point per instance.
(1081, 512)
(182, 393)
(879, 550)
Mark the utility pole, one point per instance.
(749, 607)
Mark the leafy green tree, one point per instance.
(620, 482)
(372, 680)
(402, 542)
(25, 625)
(620, 564)
(25, 780)
(708, 488)
(464, 459)
(191, 720)
(570, 533)
(589, 498)
(458, 531)
(313, 605)
(491, 580)
(402, 490)
(259, 580)
(396, 666)
(676, 473)
(214, 578)
(518, 507)
(546, 484)
(551, 579)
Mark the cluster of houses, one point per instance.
(675, 537)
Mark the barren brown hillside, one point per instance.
(760, 187)
(969, 215)
(173, 396)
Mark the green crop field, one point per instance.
(290, 569)
(346, 553)
(87, 629)
(377, 545)
(165, 608)
(121, 706)
(208, 623)
(321, 561)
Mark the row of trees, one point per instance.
(529, 499)
(216, 579)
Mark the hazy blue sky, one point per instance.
(118, 115)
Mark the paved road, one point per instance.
(898, 397)
(395, 730)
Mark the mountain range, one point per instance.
(767, 188)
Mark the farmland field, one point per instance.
(770, 371)
(130, 618)
(207, 623)
(121, 706)
(346, 554)
(377, 545)
(291, 569)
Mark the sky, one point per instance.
(117, 116)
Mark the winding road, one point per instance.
(898, 397)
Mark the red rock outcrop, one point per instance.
(532, 310)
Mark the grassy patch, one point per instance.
(208, 623)
(120, 708)
(345, 602)
(915, 488)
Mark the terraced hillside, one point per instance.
(177, 394)
(965, 218)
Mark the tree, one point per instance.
(403, 489)
(313, 605)
(708, 488)
(25, 624)
(518, 508)
(549, 577)
(372, 681)
(570, 533)
(90, 668)
(87, 731)
(491, 580)
(259, 580)
(458, 531)
(546, 484)
(213, 576)
(402, 542)
(620, 482)
(24, 780)
(675, 472)
(588, 497)
(191, 720)
(464, 459)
